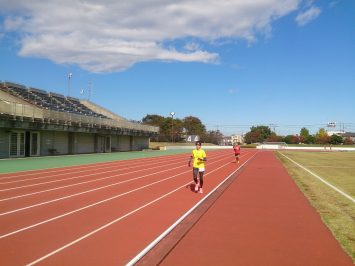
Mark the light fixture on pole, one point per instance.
(172, 126)
(69, 78)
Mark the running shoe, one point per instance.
(201, 191)
(196, 187)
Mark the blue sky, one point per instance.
(288, 64)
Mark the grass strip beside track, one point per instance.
(36, 163)
(336, 168)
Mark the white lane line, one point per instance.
(87, 169)
(75, 177)
(86, 182)
(59, 169)
(88, 206)
(116, 220)
(167, 231)
(73, 167)
(91, 205)
(84, 192)
(322, 180)
(90, 165)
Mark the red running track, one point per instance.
(98, 214)
(105, 214)
(262, 218)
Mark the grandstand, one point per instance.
(34, 122)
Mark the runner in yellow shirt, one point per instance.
(199, 157)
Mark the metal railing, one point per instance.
(21, 110)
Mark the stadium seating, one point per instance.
(49, 101)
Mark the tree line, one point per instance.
(177, 129)
(258, 134)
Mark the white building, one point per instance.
(339, 133)
(237, 138)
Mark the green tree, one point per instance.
(257, 134)
(165, 129)
(322, 137)
(153, 120)
(213, 136)
(304, 135)
(291, 139)
(252, 137)
(274, 138)
(193, 126)
(178, 129)
(171, 128)
(335, 139)
(175, 128)
(310, 140)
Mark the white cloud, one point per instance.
(106, 36)
(307, 16)
(192, 46)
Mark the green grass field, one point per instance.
(338, 169)
(34, 163)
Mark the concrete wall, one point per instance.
(64, 142)
(4, 143)
(124, 143)
(12, 105)
(85, 143)
(140, 143)
(54, 140)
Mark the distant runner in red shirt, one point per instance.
(236, 149)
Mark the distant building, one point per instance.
(225, 141)
(350, 135)
(339, 133)
(237, 138)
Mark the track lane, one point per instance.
(69, 176)
(261, 219)
(92, 185)
(127, 244)
(89, 185)
(45, 212)
(131, 201)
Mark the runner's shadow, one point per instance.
(191, 186)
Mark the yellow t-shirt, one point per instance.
(196, 155)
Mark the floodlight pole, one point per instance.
(172, 126)
(69, 78)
